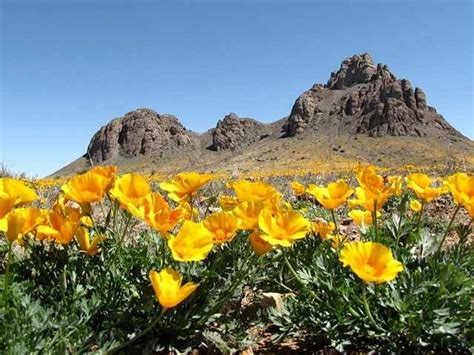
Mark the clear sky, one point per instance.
(68, 67)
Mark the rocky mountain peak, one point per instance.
(357, 69)
(363, 98)
(139, 132)
(232, 132)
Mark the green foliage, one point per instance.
(63, 300)
(427, 308)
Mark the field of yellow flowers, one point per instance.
(110, 263)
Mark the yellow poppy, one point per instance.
(322, 228)
(185, 185)
(259, 245)
(298, 188)
(222, 225)
(13, 193)
(159, 215)
(470, 208)
(19, 222)
(247, 214)
(255, 191)
(108, 172)
(332, 196)
(420, 184)
(396, 184)
(370, 261)
(337, 240)
(83, 238)
(361, 217)
(283, 227)
(86, 188)
(374, 186)
(192, 243)
(131, 190)
(415, 205)
(366, 202)
(186, 210)
(461, 187)
(61, 224)
(168, 287)
(228, 203)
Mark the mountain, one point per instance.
(362, 114)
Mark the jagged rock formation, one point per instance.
(232, 132)
(140, 132)
(366, 99)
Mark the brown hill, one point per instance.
(362, 114)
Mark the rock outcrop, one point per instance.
(354, 70)
(367, 99)
(232, 133)
(140, 132)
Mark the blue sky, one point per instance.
(69, 67)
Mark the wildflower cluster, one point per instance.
(99, 210)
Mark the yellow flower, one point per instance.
(375, 189)
(186, 210)
(89, 187)
(283, 227)
(192, 243)
(323, 228)
(108, 172)
(185, 185)
(131, 190)
(461, 186)
(228, 203)
(61, 224)
(247, 214)
(19, 222)
(415, 205)
(222, 225)
(361, 217)
(259, 245)
(298, 188)
(13, 193)
(420, 184)
(168, 288)
(83, 238)
(370, 261)
(87, 221)
(470, 208)
(255, 191)
(366, 202)
(332, 196)
(159, 215)
(396, 184)
(337, 240)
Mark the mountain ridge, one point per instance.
(360, 102)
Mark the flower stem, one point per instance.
(7, 273)
(335, 222)
(139, 335)
(303, 285)
(125, 229)
(448, 228)
(418, 222)
(374, 217)
(367, 309)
